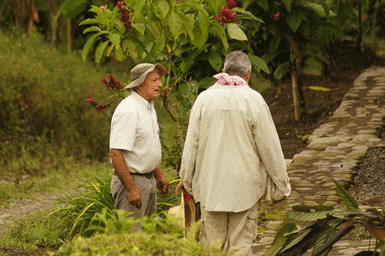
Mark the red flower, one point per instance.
(231, 4)
(276, 16)
(101, 9)
(89, 99)
(225, 15)
(125, 17)
(112, 85)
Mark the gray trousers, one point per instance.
(236, 230)
(147, 189)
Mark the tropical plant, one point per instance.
(293, 31)
(328, 226)
(162, 236)
(188, 37)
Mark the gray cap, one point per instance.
(140, 71)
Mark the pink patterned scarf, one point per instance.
(225, 79)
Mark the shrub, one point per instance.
(45, 119)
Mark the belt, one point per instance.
(147, 175)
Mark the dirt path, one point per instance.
(21, 208)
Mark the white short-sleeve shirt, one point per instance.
(135, 131)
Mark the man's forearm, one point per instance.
(121, 168)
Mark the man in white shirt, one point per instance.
(135, 147)
(231, 148)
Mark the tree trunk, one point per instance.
(296, 96)
(297, 72)
(359, 37)
(374, 24)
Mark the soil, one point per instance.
(320, 104)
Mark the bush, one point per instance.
(43, 104)
(137, 244)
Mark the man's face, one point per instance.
(150, 87)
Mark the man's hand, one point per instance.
(163, 187)
(134, 198)
(179, 187)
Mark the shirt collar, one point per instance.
(225, 79)
(143, 102)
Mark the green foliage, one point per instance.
(93, 196)
(43, 100)
(137, 244)
(328, 225)
(37, 230)
(346, 198)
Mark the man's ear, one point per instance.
(247, 77)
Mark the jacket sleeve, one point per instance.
(269, 148)
(190, 149)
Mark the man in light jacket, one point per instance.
(231, 149)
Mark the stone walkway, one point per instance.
(334, 150)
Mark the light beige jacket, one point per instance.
(231, 146)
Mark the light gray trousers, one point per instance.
(236, 230)
(147, 190)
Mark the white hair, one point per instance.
(238, 63)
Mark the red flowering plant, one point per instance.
(125, 17)
(112, 85)
(173, 33)
(231, 4)
(225, 15)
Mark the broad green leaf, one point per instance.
(221, 32)
(309, 216)
(137, 9)
(246, 13)
(92, 29)
(159, 45)
(264, 4)
(215, 60)
(326, 9)
(296, 240)
(140, 27)
(99, 51)
(187, 26)
(280, 239)
(114, 38)
(235, 32)
(109, 50)
(274, 43)
(207, 82)
(184, 90)
(89, 22)
(320, 9)
(164, 8)
(195, 6)
(139, 44)
(216, 5)
(259, 63)
(294, 19)
(287, 4)
(201, 32)
(134, 49)
(282, 70)
(90, 42)
(175, 24)
(323, 237)
(346, 198)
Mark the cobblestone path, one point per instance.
(333, 151)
